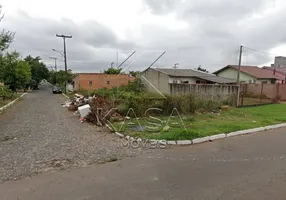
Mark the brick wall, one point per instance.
(95, 81)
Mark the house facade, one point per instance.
(250, 74)
(161, 78)
(95, 81)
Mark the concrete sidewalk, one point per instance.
(245, 167)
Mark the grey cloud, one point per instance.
(92, 46)
(216, 30)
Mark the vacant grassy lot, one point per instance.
(201, 125)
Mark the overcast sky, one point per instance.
(192, 32)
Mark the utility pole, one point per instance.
(117, 59)
(239, 64)
(55, 67)
(65, 57)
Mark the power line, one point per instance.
(260, 51)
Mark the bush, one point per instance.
(5, 92)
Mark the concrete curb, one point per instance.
(12, 102)
(65, 95)
(210, 138)
(217, 137)
(201, 140)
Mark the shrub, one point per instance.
(5, 92)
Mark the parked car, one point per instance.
(57, 90)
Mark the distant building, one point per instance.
(162, 78)
(279, 61)
(95, 81)
(250, 74)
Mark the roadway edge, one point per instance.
(209, 138)
(11, 103)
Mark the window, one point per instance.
(108, 82)
(90, 82)
(264, 82)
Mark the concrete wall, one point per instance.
(265, 81)
(95, 81)
(182, 79)
(271, 91)
(206, 91)
(159, 80)
(232, 73)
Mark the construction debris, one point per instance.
(101, 111)
(97, 110)
(84, 110)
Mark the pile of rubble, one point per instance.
(97, 110)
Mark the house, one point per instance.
(249, 74)
(278, 71)
(95, 81)
(161, 78)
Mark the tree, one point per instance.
(59, 77)
(38, 69)
(6, 38)
(112, 70)
(134, 73)
(202, 69)
(23, 74)
(10, 61)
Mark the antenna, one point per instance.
(176, 65)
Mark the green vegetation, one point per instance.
(6, 96)
(16, 73)
(112, 70)
(5, 93)
(59, 77)
(39, 70)
(201, 125)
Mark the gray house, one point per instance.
(162, 78)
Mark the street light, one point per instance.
(54, 58)
(65, 56)
(59, 52)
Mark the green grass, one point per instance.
(255, 101)
(6, 101)
(201, 125)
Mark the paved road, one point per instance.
(251, 167)
(39, 135)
